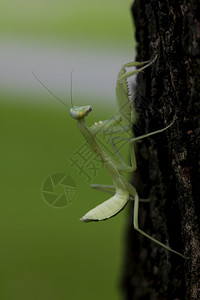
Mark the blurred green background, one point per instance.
(46, 252)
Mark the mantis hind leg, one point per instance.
(109, 189)
(104, 188)
(136, 226)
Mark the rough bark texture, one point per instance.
(168, 163)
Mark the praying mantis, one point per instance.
(121, 189)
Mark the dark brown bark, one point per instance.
(168, 163)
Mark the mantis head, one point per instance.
(76, 112)
(79, 112)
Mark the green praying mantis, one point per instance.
(121, 189)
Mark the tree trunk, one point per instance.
(168, 163)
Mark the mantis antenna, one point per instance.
(51, 91)
(71, 88)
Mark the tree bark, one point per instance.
(168, 163)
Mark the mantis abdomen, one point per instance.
(109, 208)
